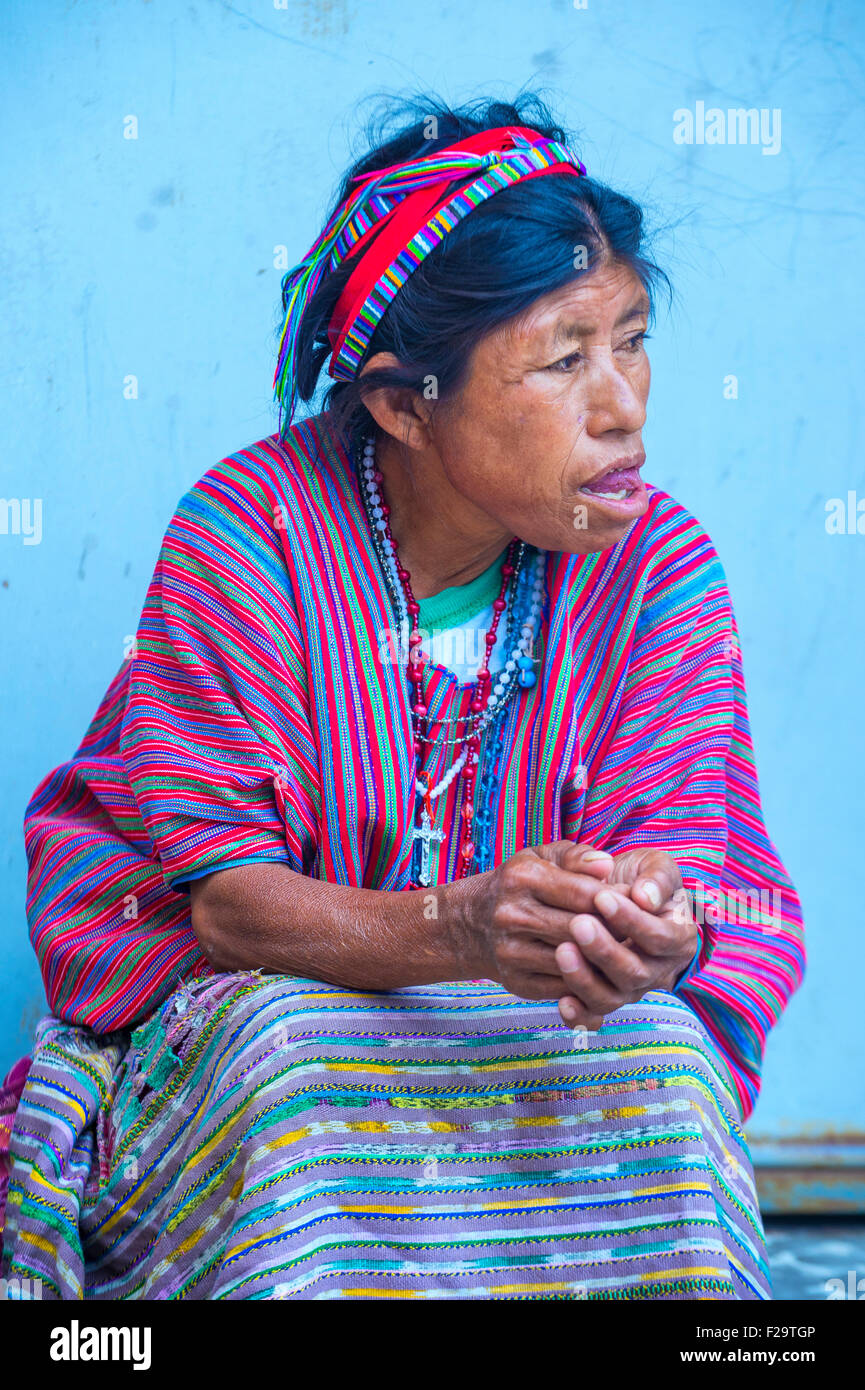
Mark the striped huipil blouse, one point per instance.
(258, 718)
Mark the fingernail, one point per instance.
(607, 902)
(593, 854)
(651, 890)
(583, 931)
(567, 957)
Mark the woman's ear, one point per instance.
(397, 410)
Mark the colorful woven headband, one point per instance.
(390, 223)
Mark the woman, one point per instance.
(289, 828)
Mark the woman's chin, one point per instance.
(594, 523)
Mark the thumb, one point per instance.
(656, 880)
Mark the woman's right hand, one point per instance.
(522, 910)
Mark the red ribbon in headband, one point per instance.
(379, 247)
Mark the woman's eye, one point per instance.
(565, 364)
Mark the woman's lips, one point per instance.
(622, 489)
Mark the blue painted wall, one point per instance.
(154, 258)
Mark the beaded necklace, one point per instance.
(487, 699)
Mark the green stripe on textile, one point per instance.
(461, 602)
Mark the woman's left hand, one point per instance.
(643, 937)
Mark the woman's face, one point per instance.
(545, 434)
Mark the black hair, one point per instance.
(512, 249)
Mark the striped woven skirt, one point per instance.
(274, 1137)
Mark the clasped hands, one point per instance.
(569, 922)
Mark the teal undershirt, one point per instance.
(457, 605)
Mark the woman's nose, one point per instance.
(615, 401)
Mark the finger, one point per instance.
(585, 859)
(532, 931)
(556, 887)
(536, 985)
(578, 857)
(679, 908)
(654, 935)
(525, 957)
(657, 879)
(627, 972)
(576, 1015)
(584, 983)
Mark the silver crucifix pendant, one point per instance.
(426, 832)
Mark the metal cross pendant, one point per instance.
(426, 832)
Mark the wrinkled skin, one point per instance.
(533, 422)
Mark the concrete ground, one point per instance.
(805, 1253)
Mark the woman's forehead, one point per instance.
(609, 297)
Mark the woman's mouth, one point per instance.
(622, 488)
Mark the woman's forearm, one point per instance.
(266, 916)
(515, 924)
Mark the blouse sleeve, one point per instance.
(677, 771)
(215, 733)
